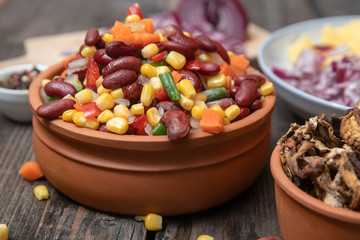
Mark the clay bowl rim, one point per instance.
(305, 199)
(254, 119)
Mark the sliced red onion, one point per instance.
(194, 123)
(78, 62)
(72, 79)
(149, 129)
(122, 101)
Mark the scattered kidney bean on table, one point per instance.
(134, 80)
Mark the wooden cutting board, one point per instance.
(51, 49)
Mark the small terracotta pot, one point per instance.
(135, 175)
(302, 216)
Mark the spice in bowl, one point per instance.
(19, 80)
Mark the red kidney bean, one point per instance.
(194, 79)
(256, 78)
(167, 105)
(247, 93)
(100, 57)
(92, 37)
(209, 68)
(59, 89)
(133, 91)
(223, 103)
(173, 33)
(244, 111)
(234, 90)
(256, 105)
(177, 47)
(177, 124)
(125, 62)
(58, 79)
(101, 43)
(103, 128)
(119, 79)
(55, 108)
(222, 52)
(116, 49)
(206, 43)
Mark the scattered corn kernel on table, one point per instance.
(249, 216)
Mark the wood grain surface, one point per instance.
(249, 216)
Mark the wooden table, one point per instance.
(248, 216)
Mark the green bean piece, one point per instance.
(159, 129)
(168, 83)
(213, 94)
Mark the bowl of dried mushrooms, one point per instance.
(316, 168)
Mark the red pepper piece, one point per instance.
(135, 9)
(161, 94)
(139, 124)
(92, 73)
(158, 56)
(90, 110)
(192, 65)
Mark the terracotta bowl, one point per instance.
(135, 175)
(302, 216)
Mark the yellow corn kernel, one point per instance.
(79, 119)
(117, 125)
(148, 70)
(99, 81)
(156, 83)
(267, 88)
(205, 237)
(117, 93)
(147, 95)
(162, 37)
(187, 34)
(149, 50)
(105, 116)
(137, 108)
(199, 97)
(87, 51)
(230, 54)
(219, 80)
(153, 116)
(232, 112)
(41, 192)
(153, 222)
(204, 57)
(218, 109)
(161, 69)
(101, 90)
(121, 111)
(200, 103)
(68, 96)
(68, 115)
(176, 60)
(105, 101)
(132, 18)
(226, 121)
(92, 123)
(196, 112)
(84, 96)
(186, 103)
(107, 37)
(186, 88)
(44, 82)
(3, 232)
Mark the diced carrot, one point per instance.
(78, 107)
(228, 83)
(211, 121)
(239, 62)
(66, 61)
(117, 25)
(149, 25)
(150, 38)
(138, 37)
(177, 76)
(124, 34)
(227, 70)
(63, 74)
(31, 171)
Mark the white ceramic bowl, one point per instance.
(14, 104)
(273, 52)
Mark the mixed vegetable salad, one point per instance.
(137, 80)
